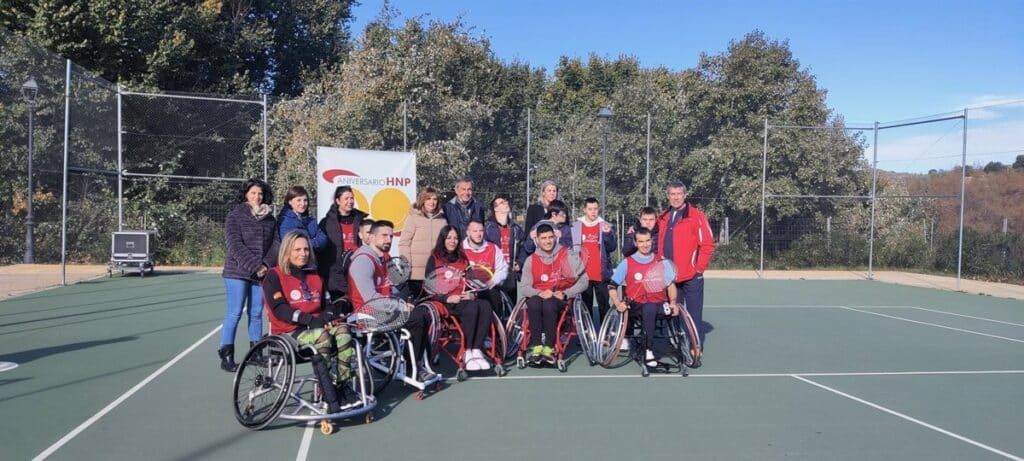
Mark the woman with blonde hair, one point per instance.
(426, 218)
(536, 212)
(293, 294)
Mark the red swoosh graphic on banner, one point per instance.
(329, 175)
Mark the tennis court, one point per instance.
(125, 368)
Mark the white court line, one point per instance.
(935, 325)
(759, 375)
(911, 419)
(968, 316)
(788, 306)
(307, 437)
(107, 409)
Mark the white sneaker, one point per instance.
(471, 362)
(625, 346)
(651, 362)
(483, 363)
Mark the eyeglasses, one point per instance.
(306, 293)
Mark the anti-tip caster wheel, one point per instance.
(562, 366)
(520, 363)
(369, 417)
(500, 370)
(326, 427)
(461, 375)
(420, 395)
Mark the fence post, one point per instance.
(874, 191)
(764, 172)
(120, 165)
(647, 190)
(963, 182)
(266, 161)
(528, 126)
(64, 194)
(723, 236)
(405, 126)
(828, 233)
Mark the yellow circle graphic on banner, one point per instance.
(390, 204)
(361, 202)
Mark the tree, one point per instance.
(1018, 164)
(224, 46)
(994, 167)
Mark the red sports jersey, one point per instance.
(291, 289)
(549, 276)
(635, 271)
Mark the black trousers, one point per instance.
(419, 328)
(475, 316)
(649, 314)
(597, 290)
(543, 315)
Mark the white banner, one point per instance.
(383, 182)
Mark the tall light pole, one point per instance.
(604, 114)
(29, 90)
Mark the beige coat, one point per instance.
(418, 239)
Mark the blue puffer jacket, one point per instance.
(288, 221)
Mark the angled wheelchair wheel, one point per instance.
(515, 330)
(686, 331)
(498, 349)
(610, 338)
(585, 331)
(382, 358)
(263, 382)
(362, 382)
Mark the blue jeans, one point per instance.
(240, 292)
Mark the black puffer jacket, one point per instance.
(330, 258)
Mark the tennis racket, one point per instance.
(381, 315)
(477, 277)
(399, 270)
(444, 281)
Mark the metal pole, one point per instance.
(963, 182)
(120, 165)
(529, 125)
(266, 163)
(604, 165)
(647, 190)
(30, 252)
(64, 194)
(764, 173)
(874, 185)
(405, 126)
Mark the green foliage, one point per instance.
(736, 255)
(225, 46)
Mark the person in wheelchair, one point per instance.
(368, 279)
(474, 313)
(294, 297)
(647, 304)
(551, 275)
(483, 253)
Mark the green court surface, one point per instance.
(126, 368)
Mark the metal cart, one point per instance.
(132, 251)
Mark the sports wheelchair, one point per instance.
(266, 386)
(675, 339)
(446, 336)
(575, 320)
(388, 354)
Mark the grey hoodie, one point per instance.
(526, 283)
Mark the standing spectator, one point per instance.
(249, 232)
(648, 220)
(294, 215)
(686, 239)
(426, 218)
(536, 212)
(595, 237)
(502, 230)
(341, 225)
(463, 208)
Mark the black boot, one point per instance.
(227, 358)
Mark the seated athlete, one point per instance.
(483, 253)
(368, 280)
(474, 313)
(551, 275)
(294, 297)
(649, 305)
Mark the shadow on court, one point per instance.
(32, 354)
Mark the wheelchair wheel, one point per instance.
(585, 331)
(263, 382)
(382, 357)
(498, 349)
(506, 308)
(682, 332)
(515, 330)
(610, 338)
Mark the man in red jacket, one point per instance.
(686, 239)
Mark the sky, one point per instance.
(879, 60)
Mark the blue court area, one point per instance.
(126, 368)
